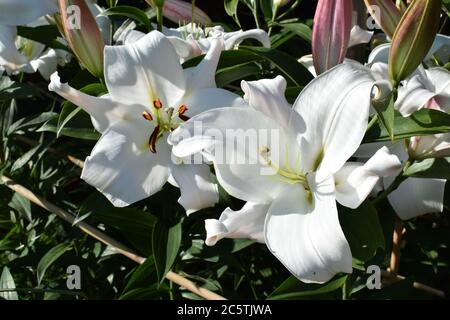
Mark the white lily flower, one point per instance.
(293, 210)
(149, 96)
(191, 41)
(23, 55)
(415, 196)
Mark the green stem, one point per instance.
(291, 8)
(159, 18)
(255, 14)
(274, 16)
(372, 122)
(192, 12)
(395, 184)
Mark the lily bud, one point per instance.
(82, 34)
(331, 33)
(413, 38)
(385, 13)
(180, 11)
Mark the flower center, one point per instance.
(285, 174)
(165, 120)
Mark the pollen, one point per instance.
(157, 104)
(147, 116)
(181, 111)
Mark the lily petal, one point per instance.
(355, 181)
(103, 110)
(20, 12)
(233, 39)
(224, 135)
(122, 167)
(247, 223)
(144, 71)
(197, 189)
(359, 36)
(210, 98)
(47, 63)
(267, 96)
(306, 235)
(415, 197)
(10, 58)
(331, 104)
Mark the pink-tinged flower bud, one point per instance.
(83, 34)
(179, 11)
(413, 38)
(385, 13)
(331, 33)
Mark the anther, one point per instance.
(147, 116)
(181, 111)
(157, 104)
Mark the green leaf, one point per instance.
(130, 12)
(299, 29)
(69, 110)
(7, 283)
(231, 9)
(152, 292)
(77, 131)
(238, 72)
(144, 274)
(16, 90)
(166, 241)
(294, 289)
(294, 72)
(362, 229)
(421, 123)
(432, 168)
(386, 114)
(49, 258)
(22, 205)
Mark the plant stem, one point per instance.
(372, 122)
(192, 13)
(159, 18)
(291, 8)
(274, 16)
(255, 14)
(396, 246)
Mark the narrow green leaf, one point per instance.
(290, 68)
(166, 241)
(239, 72)
(7, 283)
(421, 123)
(49, 258)
(231, 9)
(293, 289)
(130, 12)
(74, 132)
(438, 168)
(299, 29)
(22, 205)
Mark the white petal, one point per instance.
(10, 58)
(308, 62)
(359, 36)
(415, 197)
(122, 167)
(380, 71)
(186, 48)
(380, 54)
(330, 105)
(46, 63)
(129, 36)
(247, 223)
(233, 39)
(355, 181)
(233, 138)
(305, 234)
(196, 187)
(210, 98)
(203, 75)
(440, 48)
(267, 96)
(434, 146)
(141, 72)
(103, 109)
(20, 12)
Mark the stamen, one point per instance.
(153, 139)
(181, 111)
(157, 104)
(147, 116)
